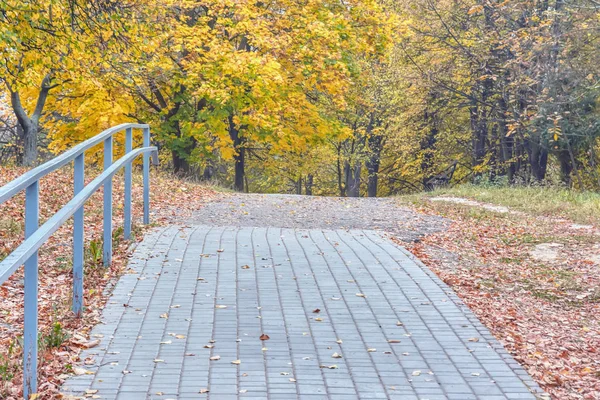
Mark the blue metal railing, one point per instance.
(35, 235)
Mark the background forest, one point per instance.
(350, 98)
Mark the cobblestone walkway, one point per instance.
(348, 314)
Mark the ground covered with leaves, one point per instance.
(62, 335)
(532, 278)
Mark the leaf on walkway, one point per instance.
(264, 336)
(220, 306)
(336, 355)
(215, 358)
(81, 371)
(236, 362)
(316, 311)
(165, 315)
(360, 295)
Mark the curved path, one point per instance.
(279, 313)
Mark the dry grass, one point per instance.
(580, 207)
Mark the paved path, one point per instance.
(387, 327)
(314, 212)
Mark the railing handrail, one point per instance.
(18, 256)
(15, 186)
(35, 236)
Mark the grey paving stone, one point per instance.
(197, 292)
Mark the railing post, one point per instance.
(107, 226)
(127, 197)
(146, 177)
(30, 336)
(78, 239)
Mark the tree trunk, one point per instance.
(240, 160)
(427, 148)
(373, 163)
(180, 154)
(209, 172)
(239, 157)
(30, 125)
(30, 149)
(565, 167)
(538, 159)
(341, 187)
(308, 185)
(352, 174)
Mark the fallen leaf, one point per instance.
(165, 315)
(236, 362)
(91, 344)
(316, 311)
(360, 295)
(371, 350)
(158, 360)
(202, 391)
(220, 306)
(81, 371)
(215, 358)
(264, 336)
(336, 355)
(416, 373)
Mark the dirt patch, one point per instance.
(309, 212)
